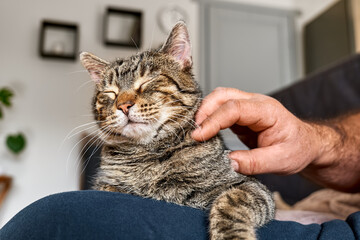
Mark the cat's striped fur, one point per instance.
(145, 106)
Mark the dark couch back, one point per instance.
(325, 94)
(322, 95)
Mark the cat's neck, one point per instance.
(158, 149)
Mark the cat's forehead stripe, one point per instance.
(127, 70)
(138, 82)
(110, 78)
(117, 72)
(130, 65)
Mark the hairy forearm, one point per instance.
(337, 164)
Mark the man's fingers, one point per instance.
(241, 112)
(216, 121)
(215, 99)
(258, 161)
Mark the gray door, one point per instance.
(246, 47)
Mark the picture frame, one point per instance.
(122, 27)
(59, 40)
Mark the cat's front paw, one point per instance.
(229, 223)
(231, 217)
(230, 231)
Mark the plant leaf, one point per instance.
(5, 96)
(16, 143)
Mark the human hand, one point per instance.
(281, 143)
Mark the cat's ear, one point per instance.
(178, 45)
(95, 65)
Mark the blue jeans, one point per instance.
(105, 215)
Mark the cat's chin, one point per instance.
(141, 132)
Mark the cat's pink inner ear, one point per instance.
(95, 75)
(178, 45)
(95, 66)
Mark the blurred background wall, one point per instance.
(52, 97)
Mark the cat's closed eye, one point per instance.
(110, 94)
(143, 84)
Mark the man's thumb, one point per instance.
(250, 162)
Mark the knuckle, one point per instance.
(219, 89)
(268, 100)
(215, 123)
(224, 91)
(211, 124)
(233, 103)
(252, 166)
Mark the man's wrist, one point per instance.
(328, 141)
(328, 146)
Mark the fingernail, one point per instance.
(235, 165)
(195, 132)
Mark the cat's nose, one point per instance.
(124, 107)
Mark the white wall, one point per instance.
(49, 99)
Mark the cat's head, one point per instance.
(146, 97)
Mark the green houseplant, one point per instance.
(14, 142)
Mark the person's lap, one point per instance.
(105, 215)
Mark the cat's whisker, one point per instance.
(195, 125)
(188, 120)
(152, 37)
(94, 133)
(83, 85)
(82, 130)
(89, 144)
(75, 145)
(83, 125)
(102, 133)
(100, 142)
(95, 125)
(71, 132)
(168, 128)
(95, 137)
(86, 115)
(189, 107)
(135, 44)
(178, 124)
(172, 131)
(183, 108)
(79, 71)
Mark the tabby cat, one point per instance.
(145, 106)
